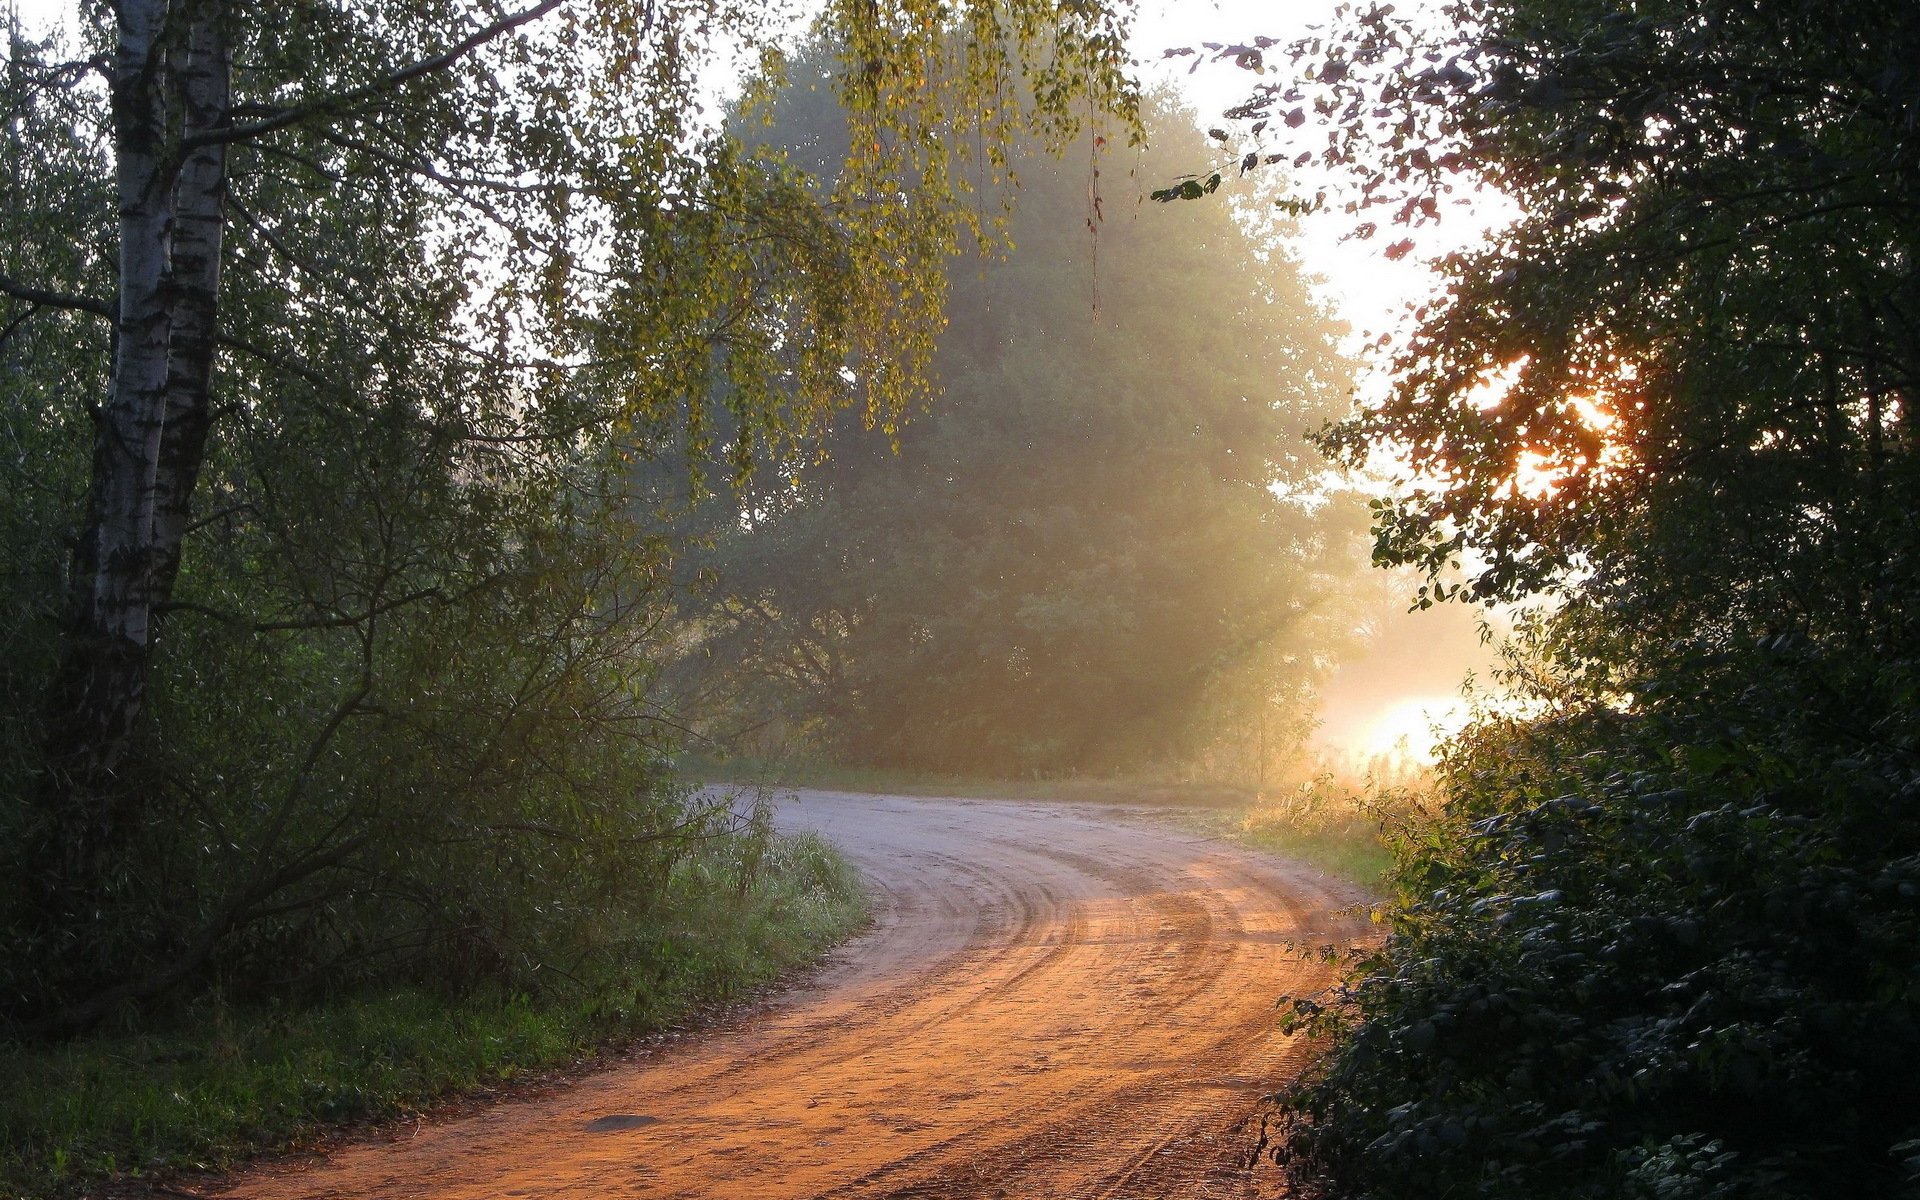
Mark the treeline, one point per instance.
(329, 341)
(1105, 546)
(1664, 938)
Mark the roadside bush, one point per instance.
(1668, 954)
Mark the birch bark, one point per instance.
(199, 223)
(102, 679)
(171, 78)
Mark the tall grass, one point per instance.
(1344, 827)
(220, 1082)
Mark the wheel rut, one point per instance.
(1055, 1001)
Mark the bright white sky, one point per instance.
(1365, 287)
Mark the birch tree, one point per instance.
(481, 258)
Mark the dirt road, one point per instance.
(1057, 1001)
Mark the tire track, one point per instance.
(1054, 1001)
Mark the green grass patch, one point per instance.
(219, 1082)
(1344, 828)
(1350, 846)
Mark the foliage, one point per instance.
(1660, 943)
(1695, 342)
(393, 716)
(1103, 550)
(232, 1079)
(1665, 954)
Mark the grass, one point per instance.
(1331, 821)
(1345, 842)
(222, 1083)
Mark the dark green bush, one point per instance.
(1661, 954)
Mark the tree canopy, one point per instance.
(1661, 940)
(1676, 384)
(1104, 546)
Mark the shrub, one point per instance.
(1674, 953)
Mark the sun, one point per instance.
(1414, 727)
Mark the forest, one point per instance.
(428, 429)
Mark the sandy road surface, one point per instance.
(1057, 1001)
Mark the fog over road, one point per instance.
(1055, 1001)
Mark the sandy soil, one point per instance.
(1056, 1001)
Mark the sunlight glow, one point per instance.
(1491, 390)
(1414, 726)
(1538, 475)
(1596, 417)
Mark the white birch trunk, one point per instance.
(199, 222)
(118, 548)
(169, 69)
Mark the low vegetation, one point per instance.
(1654, 955)
(1346, 830)
(217, 1080)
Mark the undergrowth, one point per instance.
(1661, 955)
(218, 1082)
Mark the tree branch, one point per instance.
(102, 308)
(14, 325)
(399, 79)
(47, 299)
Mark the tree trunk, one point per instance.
(170, 76)
(199, 221)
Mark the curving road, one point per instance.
(1056, 1001)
